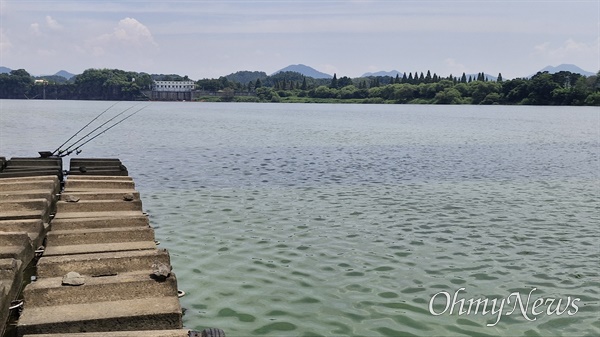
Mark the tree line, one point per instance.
(92, 84)
(562, 88)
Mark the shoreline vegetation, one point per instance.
(543, 88)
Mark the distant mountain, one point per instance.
(566, 67)
(4, 70)
(64, 74)
(304, 70)
(392, 73)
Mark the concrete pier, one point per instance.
(26, 204)
(101, 273)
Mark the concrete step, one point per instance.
(25, 195)
(25, 209)
(125, 286)
(100, 248)
(23, 205)
(136, 314)
(13, 162)
(21, 253)
(25, 215)
(10, 271)
(15, 239)
(32, 169)
(52, 183)
(11, 278)
(90, 185)
(99, 235)
(35, 228)
(30, 179)
(24, 185)
(101, 222)
(100, 195)
(108, 214)
(83, 161)
(143, 333)
(83, 177)
(102, 263)
(98, 206)
(103, 171)
(28, 173)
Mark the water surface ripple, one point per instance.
(321, 220)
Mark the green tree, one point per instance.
(344, 81)
(404, 93)
(448, 96)
(593, 99)
(491, 98)
(481, 89)
(324, 92)
(334, 82)
(541, 88)
(348, 92)
(15, 84)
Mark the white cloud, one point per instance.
(52, 23)
(130, 45)
(34, 28)
(571, 51)
(130, 32)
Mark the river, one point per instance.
(367, 220)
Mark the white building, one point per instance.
(174, 86)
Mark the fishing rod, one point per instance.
(77, 149)
(101, 125)
(85, 126)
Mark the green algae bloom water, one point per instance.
(363, 220)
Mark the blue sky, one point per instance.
(208, 38)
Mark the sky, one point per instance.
(210, 38)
